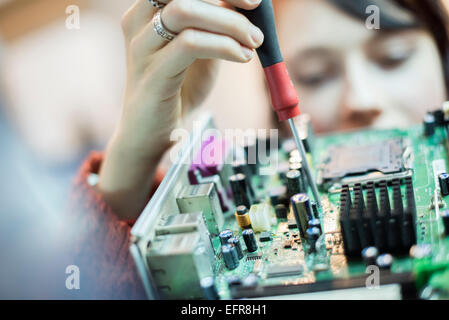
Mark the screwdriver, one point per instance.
(284, 98)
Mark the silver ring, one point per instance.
(160, 29)
(157, 4)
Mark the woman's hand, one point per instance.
(164, 79)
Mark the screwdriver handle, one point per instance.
(284, 97)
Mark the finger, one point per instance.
(204, 16)
(244, 4)
(137, 17)
(192, 44)
(182, 14)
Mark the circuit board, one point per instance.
(285, 264)
(330, 262)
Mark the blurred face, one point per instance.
(349, 76)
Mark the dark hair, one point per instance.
(430, 15)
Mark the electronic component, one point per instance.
(165, 256)
(429, 124)
(284, 270)
(301, 210)
(384, 261)
(292, 224)
(350, 164)
(230, 257)
(209, 288)
(315, 223)
(312, 236)
(281, 211)
(225, 235)
(202, 198)
(242, 217)
(443, 180)
(265, 236)
(250, 240)
(235, 242)
(240, 166)
(240, 190)
(260, 216)
(376, 225)
(369, 255)
(185, 223)
(294, 183)
(213, 158)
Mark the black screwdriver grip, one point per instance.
(263, 17)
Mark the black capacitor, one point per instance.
(301, 211)
(439, 117)
(294, 183)
(315, 223)
(384, 261)
(240, 166)
(250, 240)
(370, 255)
(225, 235)
(312, 236)
(229, 256)
(429, 124)
(281, 211)
(240, 190)
(209, 288)
(238, 247)
(445, 218)
(443, 179)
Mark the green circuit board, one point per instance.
(329, 262)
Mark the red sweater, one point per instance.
(107, 268)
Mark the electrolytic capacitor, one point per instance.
(240, 166)
(312, 236)
(302, 211)
(384, 261)
(225, 235)
(240, 191)
(250, 240)
(315, 223)
(443, 179)
(294, 183)
(281, 211)
(429, 124)
(370, 255)
(236, 244)
(209, 288)
(445, 217)
(242, 217)
(230, 257)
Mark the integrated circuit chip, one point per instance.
(384, 158)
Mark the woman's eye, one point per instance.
(390, 62)
(313, 80)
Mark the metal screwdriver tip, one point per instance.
(302, 151)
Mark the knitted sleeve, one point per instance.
(101, 241)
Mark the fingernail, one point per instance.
(247, 53)
(253, 2)
(257, 35)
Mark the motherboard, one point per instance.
(222, 230)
